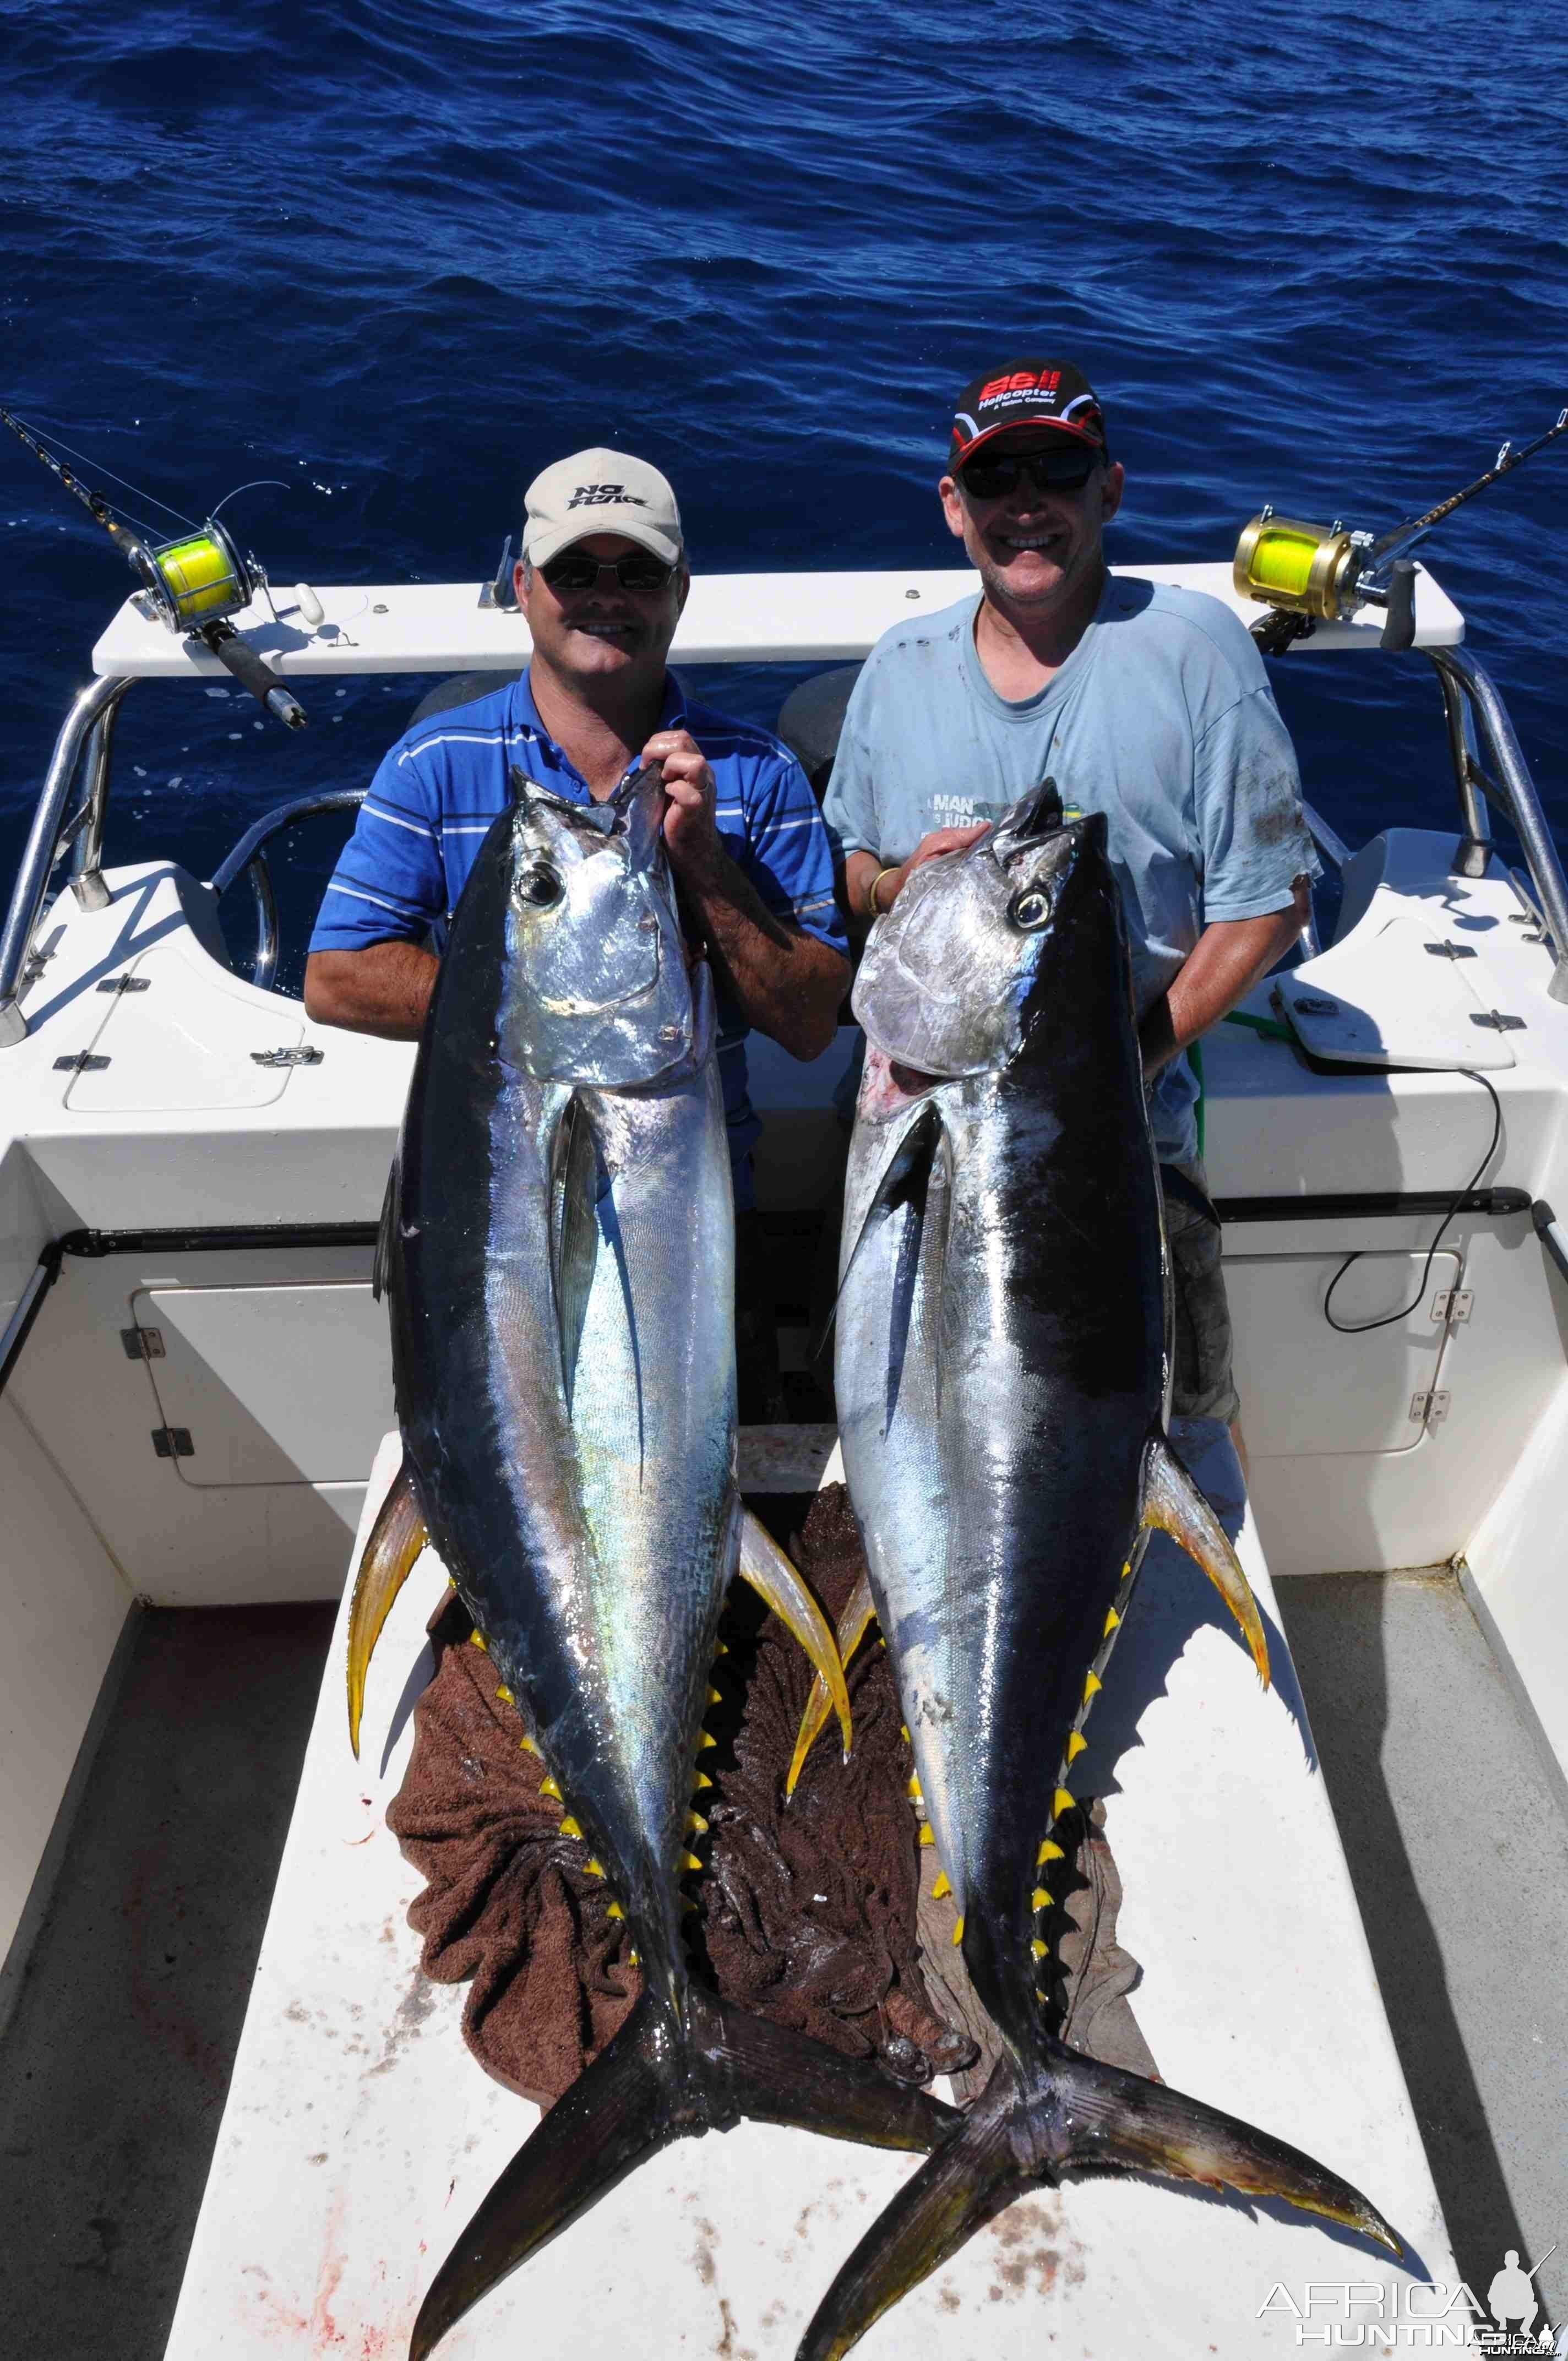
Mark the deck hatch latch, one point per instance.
(1451, 1306)
(306, 1057)
(80, 1062)
(1430, 1409)
(1495, 1022)
(1451, 950)
(173, 1443)
(127, 984)
(143, 1344)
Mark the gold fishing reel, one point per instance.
(198, 580)
(1304, 569)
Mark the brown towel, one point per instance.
(810, 1913)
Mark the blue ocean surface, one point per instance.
(400, 257)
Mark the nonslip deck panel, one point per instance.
(359, 2135)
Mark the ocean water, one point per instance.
(398, 257)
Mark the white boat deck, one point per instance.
(359, 2134)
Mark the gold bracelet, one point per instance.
(890, 870)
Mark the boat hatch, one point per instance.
(228, 1375)
(190, 1040)
(1349, 1394)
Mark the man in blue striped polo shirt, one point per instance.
(601, 582)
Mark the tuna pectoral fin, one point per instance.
(1173, 1504)
(396, 1539)
(1074, 2115)
(652, 2085)
(774, 1579)
(858, 1612)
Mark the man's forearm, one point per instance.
(385, 989)
(1228, 959)
(787, 983)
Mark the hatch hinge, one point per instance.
(1451, 1305)
(1451, 950)
(1494, 1019)
(1430, 1409)
(127, 984)
(173, 1443)
(287, 1057)
(143, 1344)
(80, 1062)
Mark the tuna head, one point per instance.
(595, 985)
(978, 942)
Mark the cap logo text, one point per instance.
(598, 495)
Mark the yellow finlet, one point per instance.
(926, 1836)
(1062, 1803)
(715, 1696)
(1040, 1951)
(705, 1738)
(1039, 1899)
(1077, 1745)
(529, 1745)
(959, 1932)
(548, 1786)
(944, 1885)
(593, 1868)
(690, 1861)
(903, 1731)
(477, 1639)
(1092, 1685)
(634, 1957)
(614, 1910)
(914, 1789)
(720, 1648)
(1112, 1622)
(504, 1696)
(703, 1781)
(764, 1565)
(695, 1824)
(1048, 1851)
(569, 1826)
(396, 1540)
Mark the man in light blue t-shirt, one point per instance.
(1145, 702)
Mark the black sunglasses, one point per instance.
(991, 475)
(633, 572)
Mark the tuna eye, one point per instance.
(540, 887)
(1030, 908)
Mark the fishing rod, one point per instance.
(1306, 575)
(193, 585)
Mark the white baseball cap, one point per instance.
(600, 492)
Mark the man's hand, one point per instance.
(865, 874)
(691, 837)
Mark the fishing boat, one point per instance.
(195, 1401)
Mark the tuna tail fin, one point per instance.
(396, 1540)
(1068, 2114)
(1173, 1504)
(651, 2086)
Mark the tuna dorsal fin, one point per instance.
(1173, 1504)
(397, 1537)
(859, 1611)
(574, 1231)
(381, 1268)
(771, 1574)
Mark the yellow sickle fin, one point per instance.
(396, 1539)
(858, 1613)
(1174, 1505)
(772, 1577)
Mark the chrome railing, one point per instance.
(52, 834)
(1480, 733)
(249, 859)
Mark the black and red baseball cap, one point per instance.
(1027, 393)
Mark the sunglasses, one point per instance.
(633, 572)
(991, 476)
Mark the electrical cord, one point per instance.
(1363, 1327)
